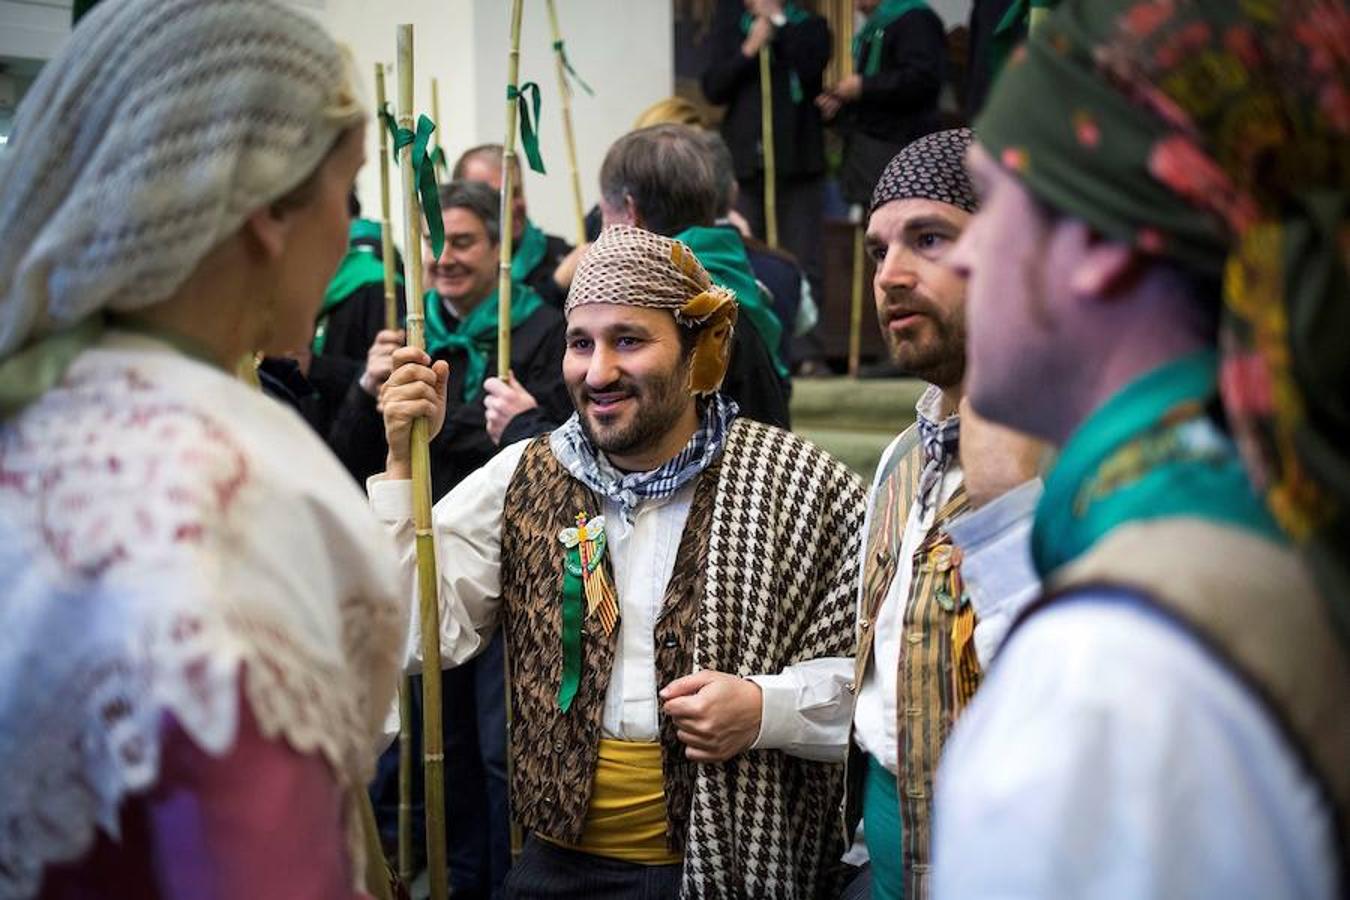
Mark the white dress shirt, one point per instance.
(1108, 755)
(804, 707)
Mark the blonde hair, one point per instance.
(671, 111)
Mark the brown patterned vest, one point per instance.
(938, 667)
(554, 753)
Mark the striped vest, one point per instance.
(938, 667)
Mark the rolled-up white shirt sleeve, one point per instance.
(466, 525)
(807, 709)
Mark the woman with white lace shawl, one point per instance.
(199, 623)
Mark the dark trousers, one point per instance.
(801, 221)
(546, 871)
(477, 802)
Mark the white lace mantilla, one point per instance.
(141, 575)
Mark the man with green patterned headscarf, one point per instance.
(891, 97)
(1158, 283)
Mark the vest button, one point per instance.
(864, 624)
(670, 643)
(548, 799)
(557, 746)
(850, 687)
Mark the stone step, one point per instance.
(878, 405)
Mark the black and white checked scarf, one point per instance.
(941, 442)
(579, 457)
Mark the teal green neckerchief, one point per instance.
(1149, 452)
(39, 367)
(795, 16)
(358, 268)
(870, 37)
(530, 252)
(722, 253)
(476, 334)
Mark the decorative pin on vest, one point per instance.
(583, 576)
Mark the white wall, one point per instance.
(624, 49)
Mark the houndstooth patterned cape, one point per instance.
(781, 582)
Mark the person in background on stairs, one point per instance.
(911, 593)
(1158, 284)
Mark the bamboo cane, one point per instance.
(856, 312)
(436, 117)
(565, 90)
(405, 871)
(509, 165)
(766, 141)
(433, 749)
(387, 250)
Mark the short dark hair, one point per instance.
(478, 199)
(667, 172)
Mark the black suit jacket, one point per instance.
(733, 80)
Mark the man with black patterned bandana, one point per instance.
(675, 584)
(917, 662)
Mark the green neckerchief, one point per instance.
(360, 267)
(869, 38)
(529, 253)
(37, 368)
(795, 16)
(1149, 452)
(722, 253)
(476, 333)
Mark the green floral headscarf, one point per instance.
(1214, 133)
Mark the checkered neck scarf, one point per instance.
(579, 457)
(941, 443)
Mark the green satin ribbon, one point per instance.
(567, 64)
(528, 135)
(438, 157)
(573, 600)
(425, 171)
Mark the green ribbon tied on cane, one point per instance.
(425, 171)
(529, 137)
(438, 157)
(573, 602)
(567, 64)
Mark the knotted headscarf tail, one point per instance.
(630, 266)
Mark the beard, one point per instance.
(933, 348)
(659, 401)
